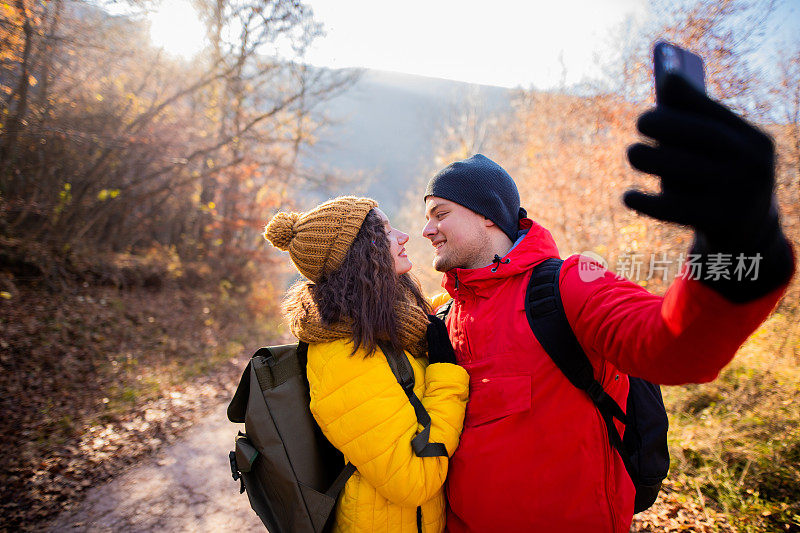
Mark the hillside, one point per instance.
(384, 129)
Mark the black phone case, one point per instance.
(671, 59)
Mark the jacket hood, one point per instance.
(536, 246)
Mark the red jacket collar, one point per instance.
(536, 246)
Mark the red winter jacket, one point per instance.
(534, 454)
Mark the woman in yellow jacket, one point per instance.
(359, 292)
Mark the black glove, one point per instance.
(440, 350)
(717, 175)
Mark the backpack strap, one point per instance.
(277, 371)
(401, 368)
(340, 481)
(545, 312)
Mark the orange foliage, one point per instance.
(567, 155)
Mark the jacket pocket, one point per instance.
(493, 398)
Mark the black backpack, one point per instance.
(291, 472)
(644, 449)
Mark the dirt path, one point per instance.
(185, 487)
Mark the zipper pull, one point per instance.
(456, 275)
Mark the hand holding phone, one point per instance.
(717, 174)
(716, 170)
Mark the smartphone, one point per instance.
(671, 59)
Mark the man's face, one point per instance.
(459, 235)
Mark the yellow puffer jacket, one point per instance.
(364, 412)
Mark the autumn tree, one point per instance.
(785, 114)
(566, 148)
(725, 33)
(120, 146)
(784, 125)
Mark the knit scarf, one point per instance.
(307, 325)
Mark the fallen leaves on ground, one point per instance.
(676, 512)
(96, 378)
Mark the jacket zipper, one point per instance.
(607, 451)
(457, 319)
(462, 329)
(419, 519)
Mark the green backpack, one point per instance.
(291, 472)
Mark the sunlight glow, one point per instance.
(176, 27)
(503, 42)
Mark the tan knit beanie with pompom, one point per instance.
(318, 240)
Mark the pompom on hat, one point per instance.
(318, 240)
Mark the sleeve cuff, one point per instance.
(447, 372)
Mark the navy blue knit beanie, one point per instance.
(481, 185)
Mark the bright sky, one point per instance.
(502, 42)
(497, 42)
(175, 26)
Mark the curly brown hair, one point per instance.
(363, 291)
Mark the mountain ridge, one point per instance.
(383, 131)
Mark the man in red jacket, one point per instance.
(534, 454)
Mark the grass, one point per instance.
(735, 442)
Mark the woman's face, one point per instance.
(397, 239)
